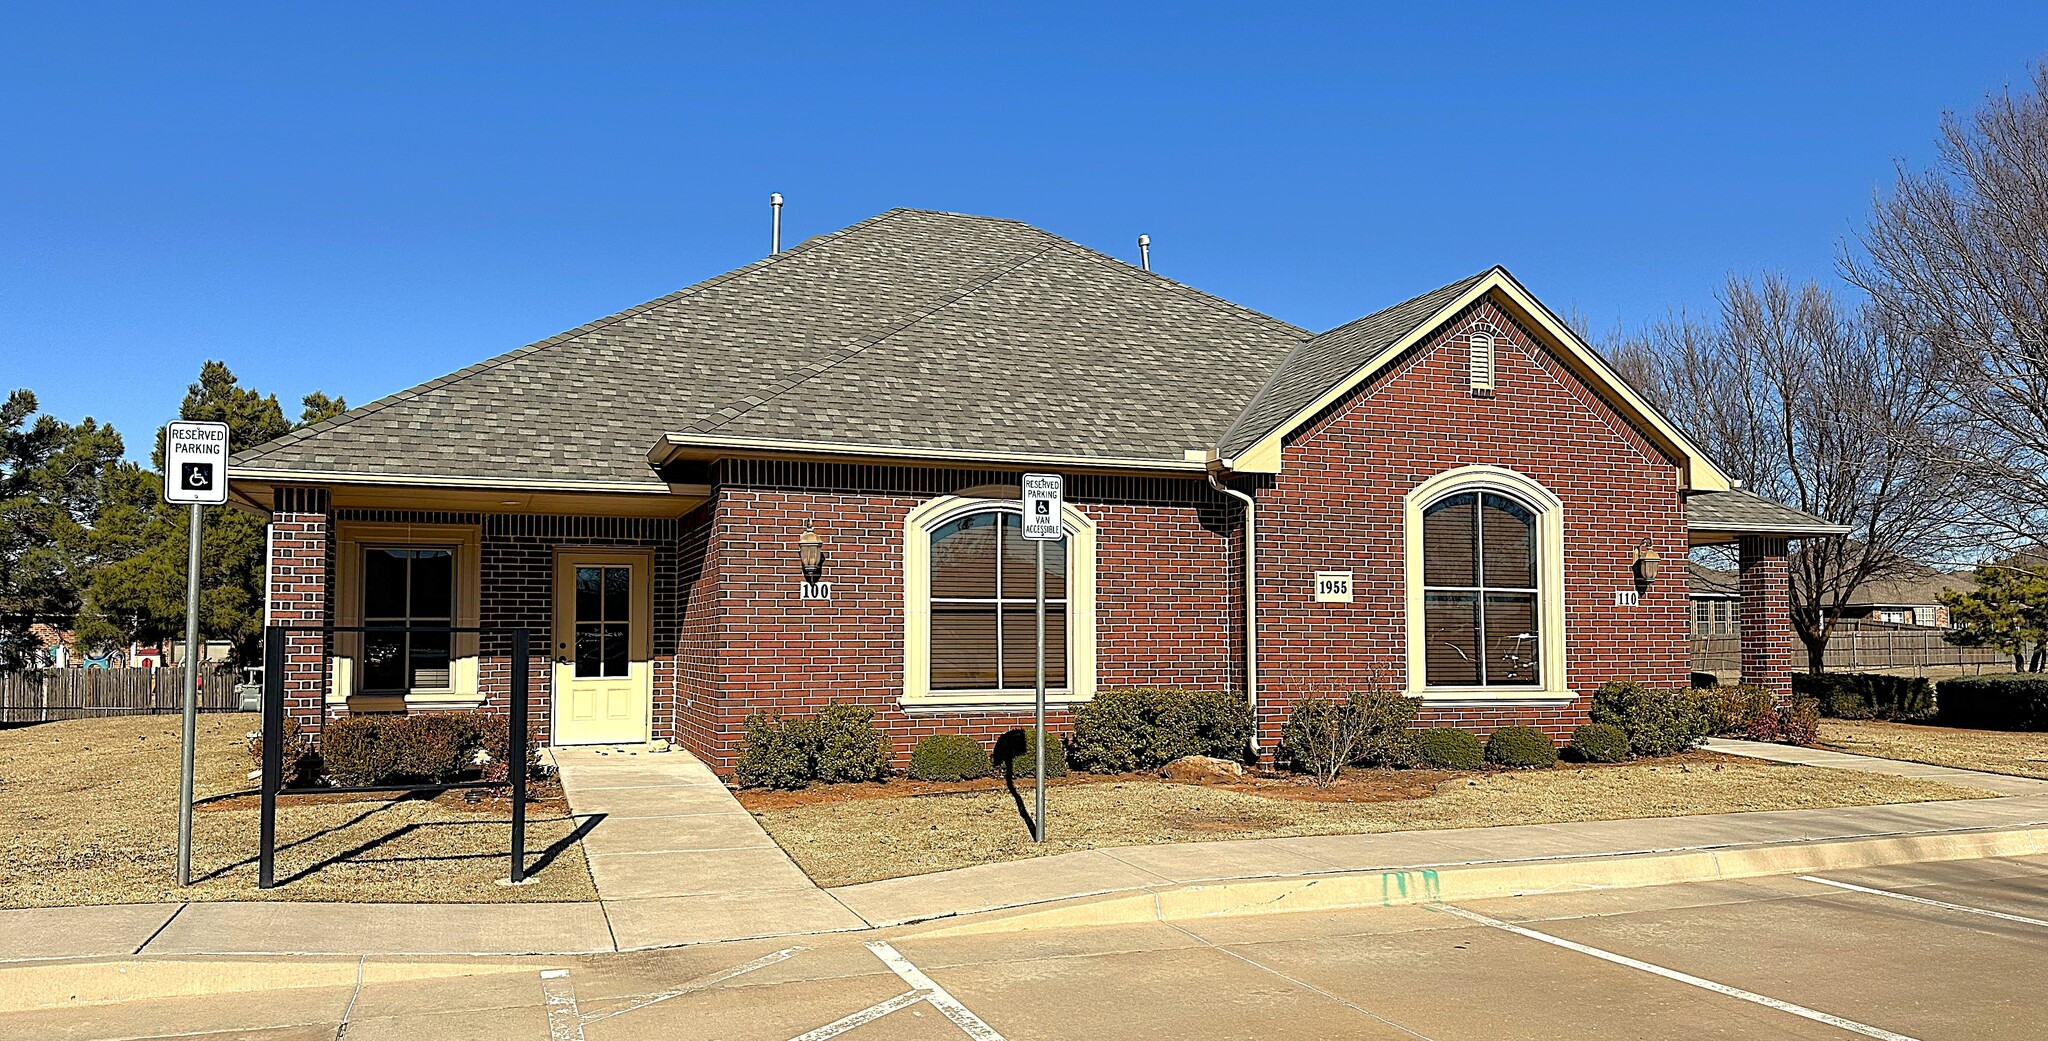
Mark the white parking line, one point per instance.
(697, 984)
(1943, 904)
(922, 988)
(565, 1023)
(1673, 974)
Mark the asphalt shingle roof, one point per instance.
(913, 329)
(1737, 510)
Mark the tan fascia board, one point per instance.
(476, 483)
(1789, 530)
(1264, 455)
(703, 447)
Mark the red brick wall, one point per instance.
(300, 587)
(1765, 581)
(1340, 504)
(1163, 603)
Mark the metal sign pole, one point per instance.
(191, 702)
(1038, 743)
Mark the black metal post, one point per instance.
(521, 650)
(273, 754)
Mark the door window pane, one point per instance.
(604, 621)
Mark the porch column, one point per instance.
(299, 588)
(1766, 585)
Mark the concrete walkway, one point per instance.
(677, 860)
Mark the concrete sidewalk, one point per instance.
(678, 861)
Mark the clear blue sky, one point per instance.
(357, 198)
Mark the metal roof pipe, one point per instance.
(1251, 601)
(775, 207)
(1145, 252)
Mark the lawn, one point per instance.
(2019, 753)
(869, 835)
(88, 815)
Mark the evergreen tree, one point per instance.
(2008, 610)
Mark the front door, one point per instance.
(603, 679)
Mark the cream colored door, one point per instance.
(603, 679)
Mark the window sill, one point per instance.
(1494, 694)
(986, 701)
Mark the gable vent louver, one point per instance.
(1481, 341)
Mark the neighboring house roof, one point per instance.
(1737, 511)
(1701, 580)
(1916, 586)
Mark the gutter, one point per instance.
(1251, 595)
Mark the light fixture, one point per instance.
(1646, 563)
(810, 550)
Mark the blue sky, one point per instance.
(357, 198)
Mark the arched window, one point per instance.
(983, 605)
(1479, 592)
(970, 628)
(1485, 577)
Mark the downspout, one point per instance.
(1251, 600)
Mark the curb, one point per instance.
(1356, 890)
(69, 984)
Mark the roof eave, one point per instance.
(683, 446)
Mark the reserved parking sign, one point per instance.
(196, 463)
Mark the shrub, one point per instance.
(1522, 747)
(427, 746)
(1866, 695)
(1798, 721)
(492, 733)
(1658, 722)
(776, 753)
(1599, 743)
(1736, 710)
(848, 747)
(1016, 754)
(355, 752)
(1999, 701)
(1144, 728)
(949, 757)
(1385, 722)
(1320, 737)
(301, 760)
(1448, 748)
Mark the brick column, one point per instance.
(1767, 639)
(299, 586)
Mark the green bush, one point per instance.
(355, 752)
(1385, 728)
(1658, 722)
(1521, 747)
(1736, 710)
(1999, 701)
(428, 746)
(1599, 743)
(1448, 748)
(847, 746)
(1016, 754)
(776, 753)
(492, 733)
(1866, 695)
(949, 757)
(301, 760)
(1144, 728)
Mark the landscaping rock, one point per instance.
(1203, 769)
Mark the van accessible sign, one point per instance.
(196, 463)
(1042, 500)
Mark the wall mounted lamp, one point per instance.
(810, 551)
(1647, 563)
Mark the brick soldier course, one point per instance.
(918, 360)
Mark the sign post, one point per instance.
(1042, 524)
(195, 475)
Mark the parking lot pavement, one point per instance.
(1926, 952)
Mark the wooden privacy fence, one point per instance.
(1903, 651)
(31, 697)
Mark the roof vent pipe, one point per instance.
(775, 206)
(1145, 252)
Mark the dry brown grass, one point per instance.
(844, 842)
(88, 815)
(2017, 753)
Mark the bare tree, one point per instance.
(1812, 405)
(1956, 257)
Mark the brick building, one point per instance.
(1453, 497)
